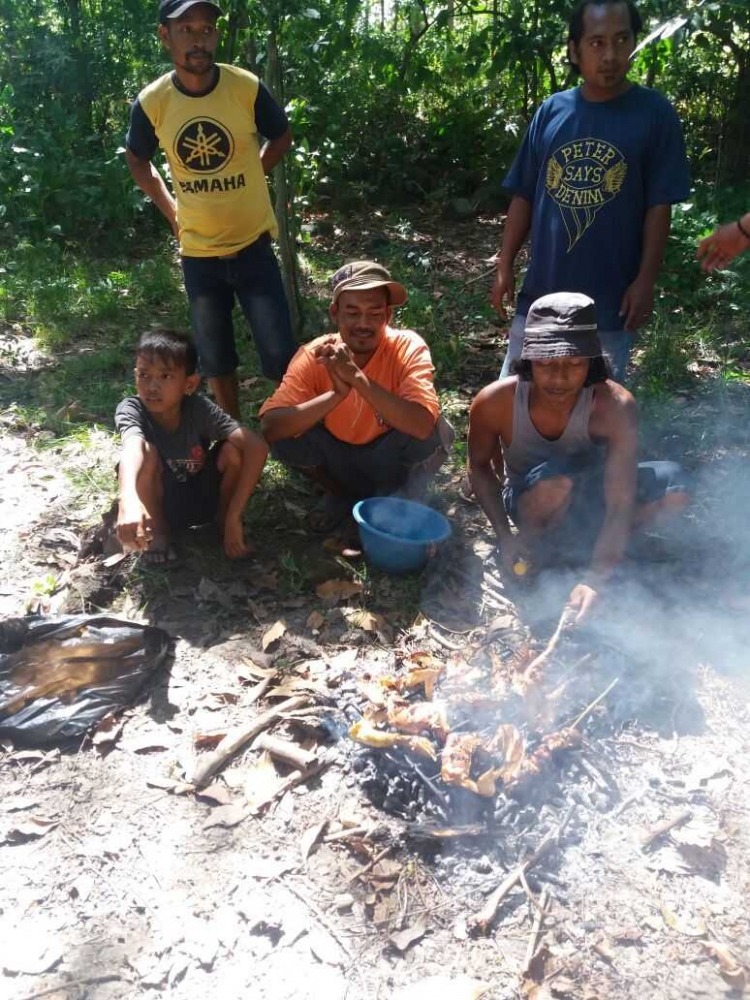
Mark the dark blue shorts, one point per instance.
(362, 470)
(655, 480)
(252, 276)
(574, 539)
(195, 501)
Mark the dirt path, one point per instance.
(118, 881)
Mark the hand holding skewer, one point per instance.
(582, 599)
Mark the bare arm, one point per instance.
(291, 421)
(151, 182)
(638, 302)
(517, 225)
(619, 489)
(402, 414)
(621, 432)
(274, 150)
(132, 518)
(483, 437)
(724, 244)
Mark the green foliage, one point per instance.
(389, 104)
(700, 318)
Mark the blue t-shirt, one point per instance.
(591, 171)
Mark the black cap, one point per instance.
(561, 325)
(169, 9)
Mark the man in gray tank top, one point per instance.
(568, 434)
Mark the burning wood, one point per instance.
(366, 734)
(532, 674)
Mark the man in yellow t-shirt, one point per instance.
(207, 118)
(357, 411)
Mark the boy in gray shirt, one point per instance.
(184, 461)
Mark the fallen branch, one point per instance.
(286, 750)
(537, 665)
(349, 832)
(239, 737)
(480, 922)
(426, 831)
(322, 919)
(73, 984)
(292, 779)
(258, 690)
(664, 827)
(536, 929)
(478, 277)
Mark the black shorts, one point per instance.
(196, 501)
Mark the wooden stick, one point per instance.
(536, 928)
(480, 922)
(315, 910)
(257, 691)
(540, 662)
(665, 826)
(239, 737)
(73, 984)
(345, 834)
(590, 708)
(478, 277)
(292, 779)
(371, 864)
(286, 750)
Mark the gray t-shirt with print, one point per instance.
(183, 451)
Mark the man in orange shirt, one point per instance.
(357, 410)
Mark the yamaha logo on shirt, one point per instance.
(582, 176)
(204, 146)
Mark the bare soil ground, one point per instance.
(120, 880)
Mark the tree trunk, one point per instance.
(284, 198)
(85, 90)
(736, 151)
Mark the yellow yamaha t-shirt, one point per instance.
(212, 146)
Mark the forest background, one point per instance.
(402, 111)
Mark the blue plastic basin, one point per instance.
(398, 536)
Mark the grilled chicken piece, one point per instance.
(366, 734)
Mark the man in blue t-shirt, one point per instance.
(594, 182)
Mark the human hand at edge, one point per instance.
(721, 247)
(582, 601)
(134, 526)
(503, 287)
(637, 303)
(235, 546)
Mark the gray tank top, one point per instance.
(529, 448)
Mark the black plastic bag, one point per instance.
(59, 677)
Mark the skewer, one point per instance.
(590, 708)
